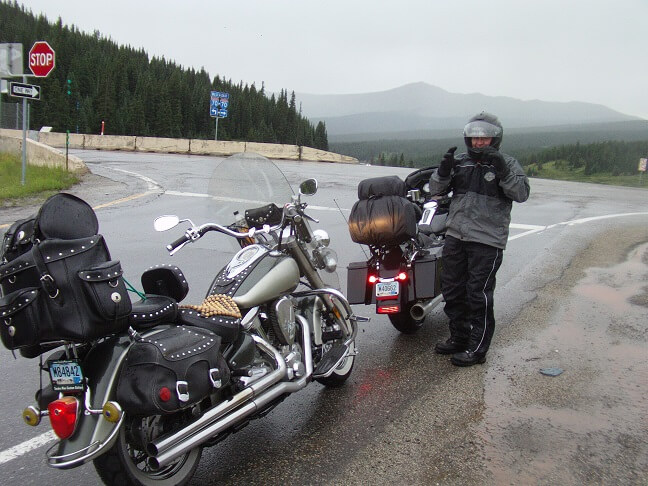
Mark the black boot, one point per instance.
(451, 346)
(468, 358)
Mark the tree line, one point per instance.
(611, 157)
(96, 80)
(614, 157)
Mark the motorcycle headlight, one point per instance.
(329, 259)
(321, 237)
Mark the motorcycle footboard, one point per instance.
(331, 360)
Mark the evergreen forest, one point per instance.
(97, 80)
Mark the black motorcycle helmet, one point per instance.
(483, 125)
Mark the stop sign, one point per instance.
(41, 59)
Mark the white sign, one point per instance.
(642, 164)
(11, 60)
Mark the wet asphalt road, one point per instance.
(571, 293)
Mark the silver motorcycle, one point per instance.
(274, 312)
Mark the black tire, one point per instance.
(125, 465)
(404, 322)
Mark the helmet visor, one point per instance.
(480, 128)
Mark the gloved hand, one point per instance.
(448, 163)
(493, 157)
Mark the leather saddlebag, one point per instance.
(170, 370)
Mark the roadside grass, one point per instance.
(39, 181)
(553, 170)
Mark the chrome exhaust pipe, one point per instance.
(422, 309)
(237, 416)
(165, 442)
(214, 421)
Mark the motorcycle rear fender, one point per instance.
(101, 367)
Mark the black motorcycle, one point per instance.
(403, 226)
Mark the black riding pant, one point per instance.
(468, 284)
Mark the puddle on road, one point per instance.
(590, 424)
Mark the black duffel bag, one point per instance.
(170, 370)
(383, 221)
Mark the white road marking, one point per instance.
(25, 447)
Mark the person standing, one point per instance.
(484, 184)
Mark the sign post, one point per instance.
(218, 105)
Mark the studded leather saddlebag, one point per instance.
(170, 370)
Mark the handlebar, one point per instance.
(177, 243)
(292, 211)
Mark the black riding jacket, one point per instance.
(480, 210)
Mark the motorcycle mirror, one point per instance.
(163, 223)
(308, 187)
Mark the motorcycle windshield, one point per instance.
(246, 181)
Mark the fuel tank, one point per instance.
(256, 275)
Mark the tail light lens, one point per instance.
(63, 415)
(388, 309)
(401, 276)
(372, 279)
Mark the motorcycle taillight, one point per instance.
(388, 309)
(63, 415)
(402, 276)
(372, 279)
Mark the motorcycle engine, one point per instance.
(282, 320)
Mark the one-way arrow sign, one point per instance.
(21, 90)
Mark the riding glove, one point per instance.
(496, 159)
(448, 163)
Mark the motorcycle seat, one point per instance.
(153, 310)
(228, 328)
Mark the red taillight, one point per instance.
(372, 279)
(401, 276)
(63, 414)
(388, 309)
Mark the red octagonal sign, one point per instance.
(41, 59)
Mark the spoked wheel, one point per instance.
(404, 322)
(126, 462)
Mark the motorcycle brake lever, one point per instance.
(310, 217)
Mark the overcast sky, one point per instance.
(552, 50)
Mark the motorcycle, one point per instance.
(142, 403)
(403, 226)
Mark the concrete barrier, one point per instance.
(164, 145)
(215, 147)
(273, 150)
(316, 155)
(38, 153)
(109, 142)
(219, 148)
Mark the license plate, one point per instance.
(66, 375)
(387, 289)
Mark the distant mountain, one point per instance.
(423, 107)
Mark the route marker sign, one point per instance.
(41, 59)
(22, 90)
(218, 104)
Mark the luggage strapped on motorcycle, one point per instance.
(65, 287)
